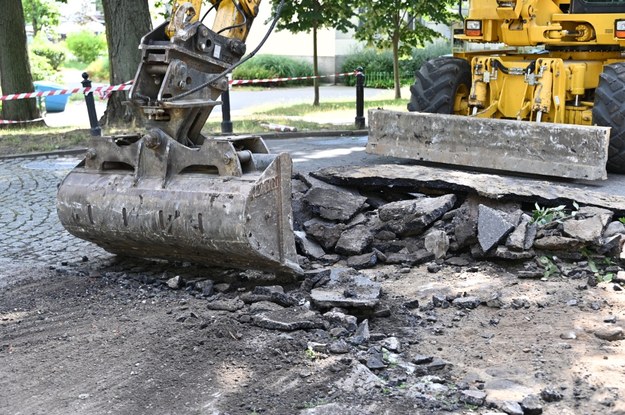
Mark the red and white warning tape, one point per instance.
(100, 90)
(104, 92)
(20, 122)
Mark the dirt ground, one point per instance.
(110, 337)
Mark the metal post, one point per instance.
(93, 116)
(226, 123)
(360, 98)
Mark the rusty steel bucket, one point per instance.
(226, 203)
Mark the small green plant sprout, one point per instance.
(310, 353)
(599, 274)
(549, 267)
(546, 215)
(622, 220)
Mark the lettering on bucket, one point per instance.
(265, 187)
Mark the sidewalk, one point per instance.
(242, 102)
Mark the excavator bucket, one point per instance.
(226, 203)
(172, 192)
(559, 150)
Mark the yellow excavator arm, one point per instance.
(233, 19)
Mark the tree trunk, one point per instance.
(127, 21)
(15, 73)
(396, 80)
(315, 66)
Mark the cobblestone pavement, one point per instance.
(30, 228)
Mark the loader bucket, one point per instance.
(171, 202)
(548, 149)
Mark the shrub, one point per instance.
(378, 65)
(272, 66)
(86, 46)
(54, 53)
(98, 70)
(40, 68)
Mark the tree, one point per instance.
(399, 25)
(127, 21)
(311, 15)
(41, 13)
(15, 76)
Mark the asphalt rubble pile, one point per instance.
(387, 226)
(340, 232)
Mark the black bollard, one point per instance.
(96, 131)
(360, 98)
(226, 123)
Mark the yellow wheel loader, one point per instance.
(171, 192)
(544, 94)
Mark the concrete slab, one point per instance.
(488, 185)
(558, 150)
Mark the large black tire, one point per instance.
(440, 86)
(609, 111)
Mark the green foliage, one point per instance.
(546, 215)
(40, 68)
(54, 53)
(378, 65)
(98, 70)
(400, 25)
(272, 66)
(550, 268)
(86, 46)
(622, 220)
(41, 13)
(308, 15)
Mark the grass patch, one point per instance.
(329, 116)
(41, 139)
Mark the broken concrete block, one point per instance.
(587, 230)
(307, 246)
(354, 241)
(347, 288)
(437, 243)
(492, 227)
(523, 236)
(325, 232)
(362, 261)
(604, 215)
(301, 211)
(410, 258)
(465, 223)
(502, 252)
(411, 217)
(614, 228)
(557, 243)
(334, 204)
(288, 319)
